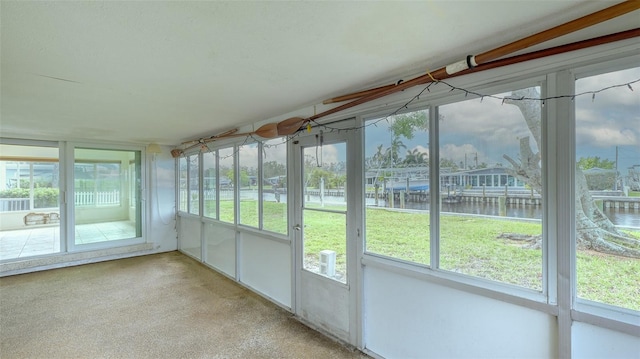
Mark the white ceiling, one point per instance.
(166, 72)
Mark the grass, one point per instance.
(634, 193)
(468, 244)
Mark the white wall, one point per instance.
(266, 267)
(411, 318)
(220, 247)
(589, 341)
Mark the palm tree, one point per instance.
(393, 152)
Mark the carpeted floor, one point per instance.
(159, 306)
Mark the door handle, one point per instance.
(297, 227)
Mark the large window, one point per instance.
(106, 209)
(29, 201)
(607, 186)
(183, 190)
(492, 230)
(274, 186)
(194, 184)
(397, 186)
(248, 181)
(210, 183)
(226, 163)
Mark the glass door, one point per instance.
(324, 236)
(107, 195)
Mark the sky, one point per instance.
(491, 129)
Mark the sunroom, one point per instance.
(443, 212)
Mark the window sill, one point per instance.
(619, 319)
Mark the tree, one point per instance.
(593, 229)
(585, 163)
(415, 158)
(393, 152)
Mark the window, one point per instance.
(97, 183)
(248, 182)
(183, 190)
(210, 184)
(607, 186)
(226, 163)
(493, 231)
(274, 186)
(194, 184)
(397, 187)
(29, 201)
(105, 208)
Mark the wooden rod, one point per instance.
(519, 58)
(357, 94)
(546, 35)
(566, 28)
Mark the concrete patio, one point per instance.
(43, 240)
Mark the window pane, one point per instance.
(29, 201)
(492, 230)
(194, 184)
(105, 208)
(209, 164)
(608, 190)
(274, 186)
(227, 188)
(248, 172)
(183, 190)
(397, 187)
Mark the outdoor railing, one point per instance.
(81, 199)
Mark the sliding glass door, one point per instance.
(107, 201)
(29, 200)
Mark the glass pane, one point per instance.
(227, 190)
(248, 172)
(397, 186)
(209, 164)
(325, 244)
(608, 190)
(183, 190)
(325, 176)
(194, 184)
(105, 207)
(274, 186)
(492, 230)
(29, 201)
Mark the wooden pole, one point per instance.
(515, 59)
(564, 29)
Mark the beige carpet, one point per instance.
(158, 306)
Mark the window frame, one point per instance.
(590, 311)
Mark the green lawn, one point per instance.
(468, 245)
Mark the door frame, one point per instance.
(332, 133)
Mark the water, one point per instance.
(619, 217)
